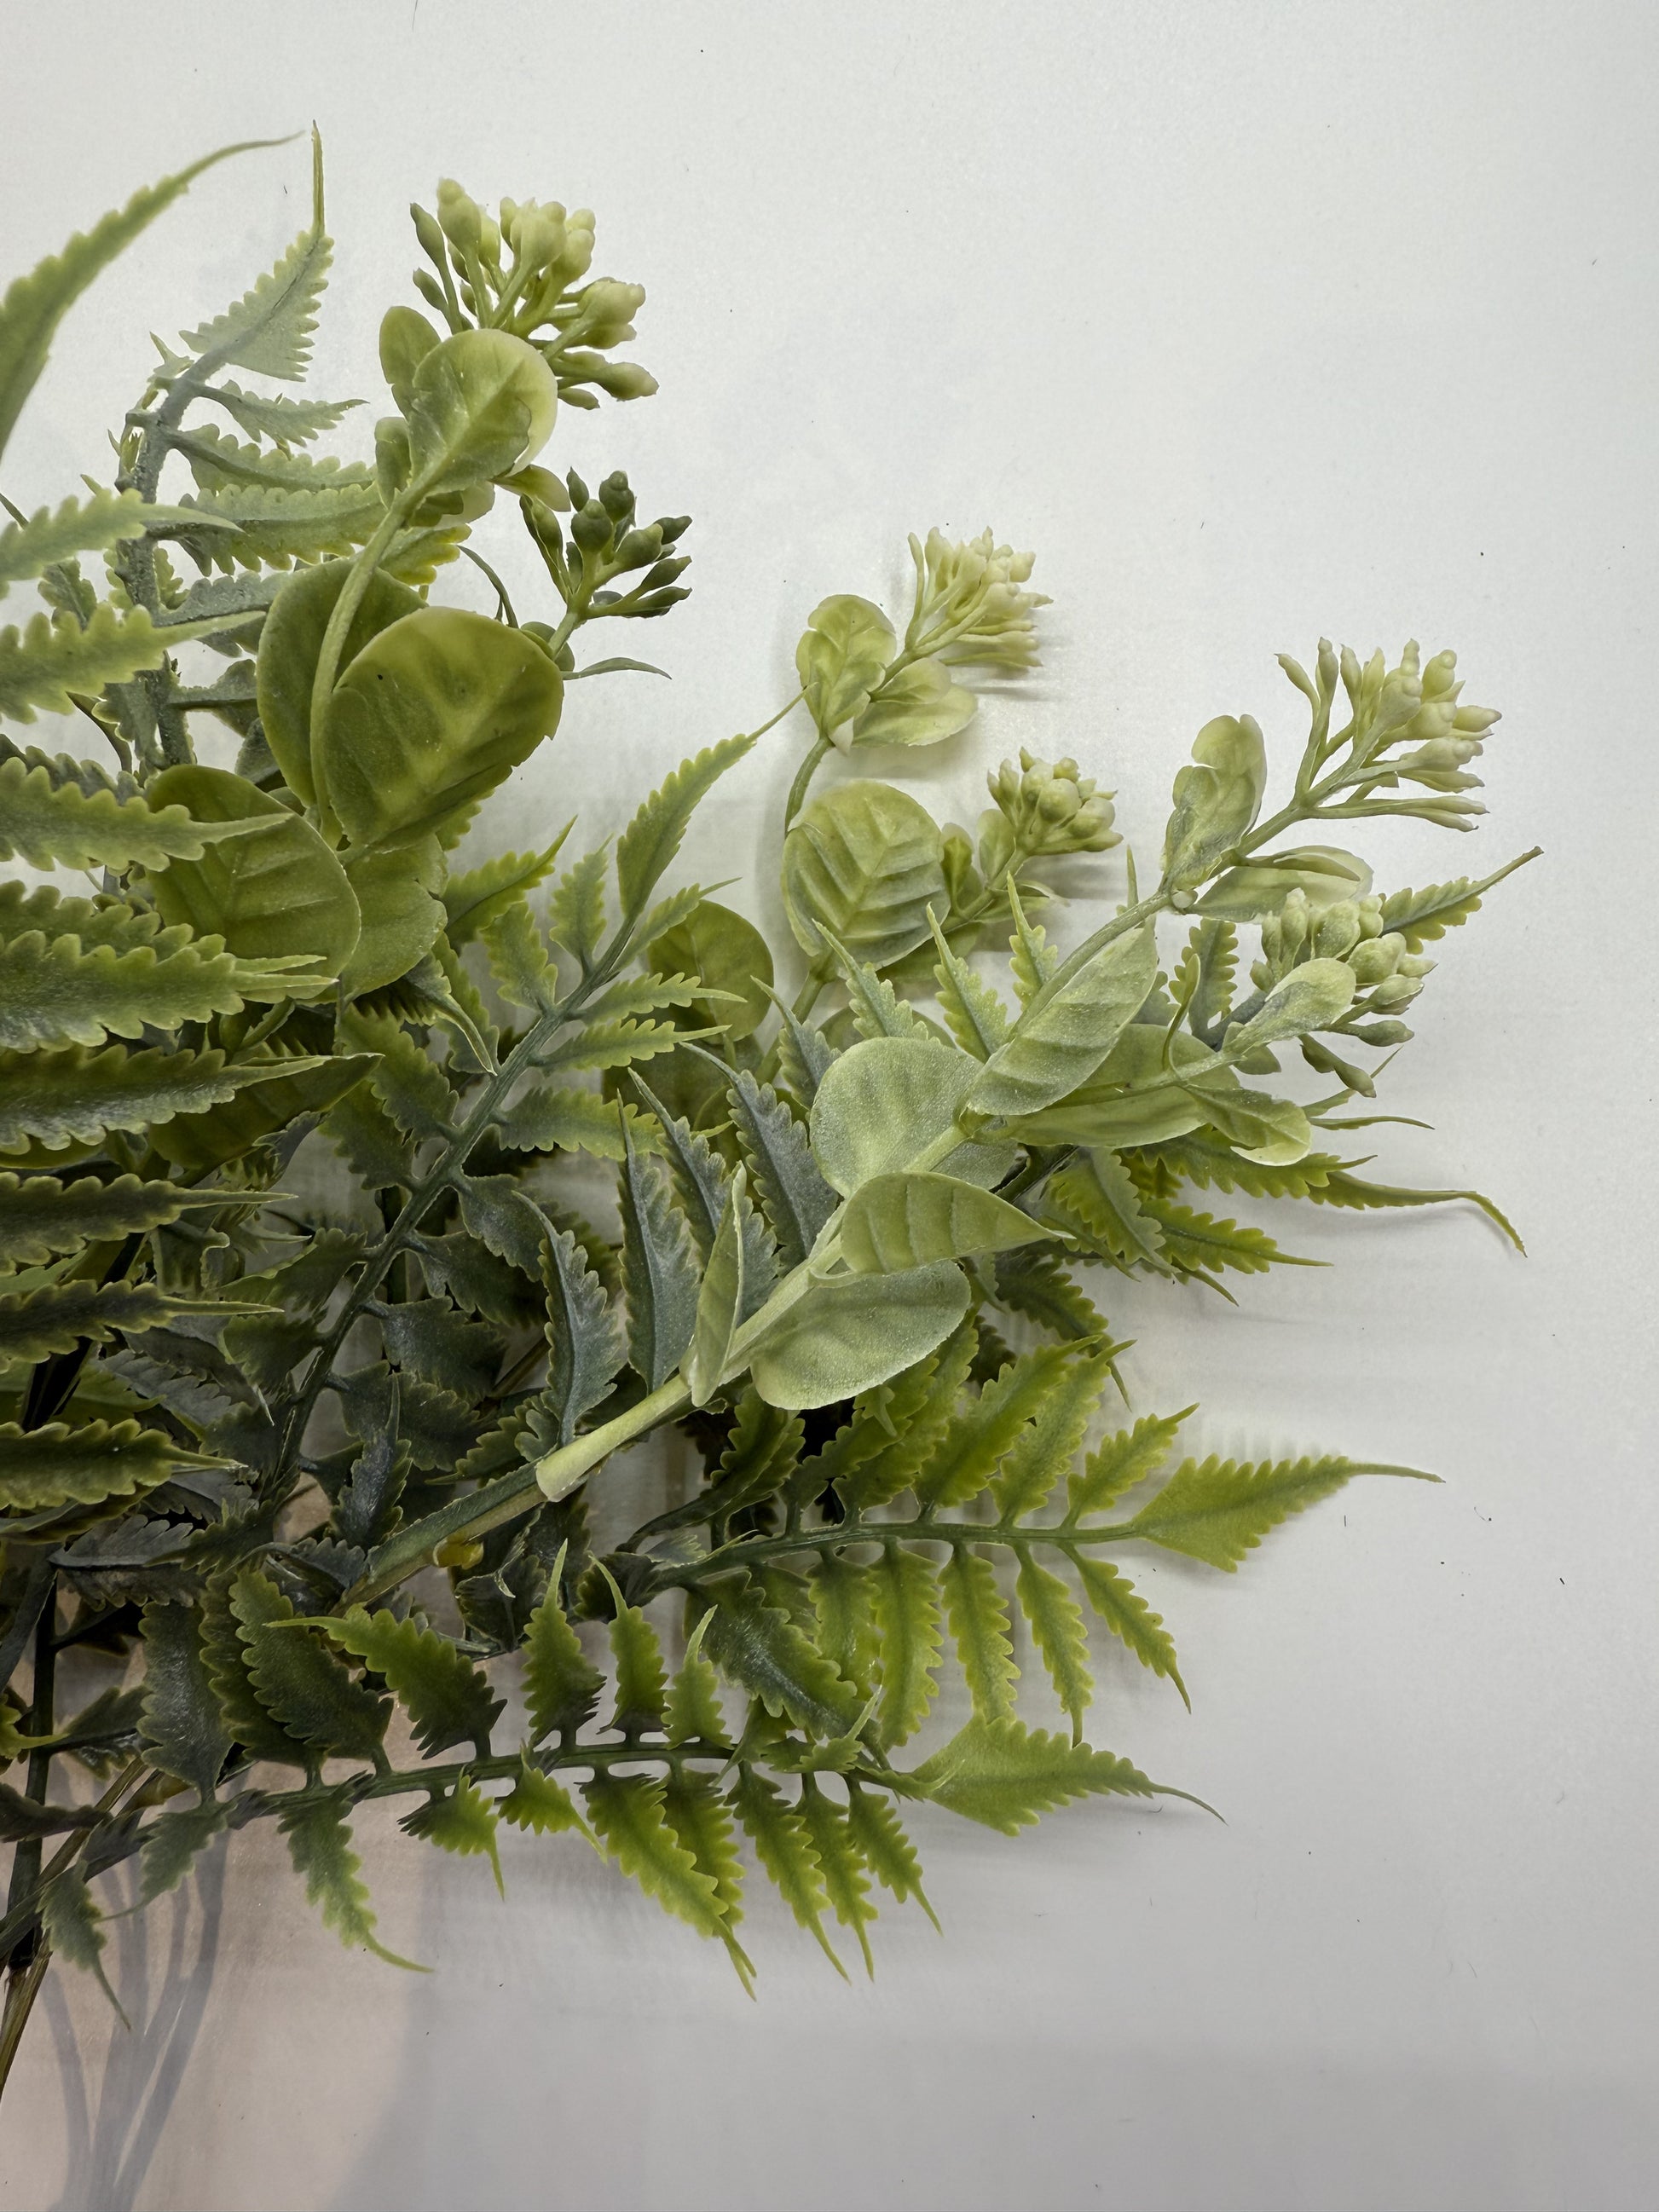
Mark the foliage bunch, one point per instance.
(314, 1334)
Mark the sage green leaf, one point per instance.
(184, 1730)
(396, 886)
(919, 705)
(984, 1431)
(273, 893)
(1005, 1775)
(41, 1217)
(1096, 1196)
(481, 404)
(1217, 1509)
(447, 1699)
(1060, 1636)
(561, 1686)
(841, 657)
(1035, 1460)
(57, 1464)
(57, 1318)
(253, 525)
(797, 1200)
(226, 1658)
(472, 901)
(979, 1622)
(299, 1683)
(49, 536)
(719, 1300)
(1270, 1133)
(269, 329)
(34, 305)
(757, 1645)
(538, 1802)
(726, 953)
(504, 1218)
(1034, 1283)
(1117, 1465)
(898, 1427)
(72, 1924)
(47, 822)
(584, 1347)
(406, 339)
(1131, 1620)
(845, 1880)
(898, 1221)
(886, 1849)
(846, 1335)
(648, 845)
(433, 713)
(904, 1593)
(55, 992)
(75, 1096)
(550, 1117)
(45, 663)
(868, 861)
(285, 422)
(1322, 873)
(575, 917)
(172, 1843)
(1198, 1242)
(1339, 1187)
(461, 1819)
(1217, 800)
(703, 1825)
(1068, 1029)
(1421, 917)
(320, 1843)
(660, 1270)
(290, 646)
(1311, 996)
(875, 1006)
(884, 1101)
(784, 1848)
(280, 1087)
(628, 1816)
(977, 1017)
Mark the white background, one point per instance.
(1256, 321)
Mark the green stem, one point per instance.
(803, 774)
(345, 607)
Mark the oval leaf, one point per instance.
(289, 647)
(481, 404)
(868, 861)
(899, 1221)
(847, 1335)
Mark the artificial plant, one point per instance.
(316, 1330)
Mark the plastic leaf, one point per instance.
(648, 845)
(447, 1699)
(1218, 1510)
(1005, 1775)
(846, 1335)
(320, 1843)
(897, 1221)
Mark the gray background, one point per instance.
(1256, 321)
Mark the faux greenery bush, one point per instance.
(313, 1331)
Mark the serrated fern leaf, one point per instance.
(1339, 1187)
(473, 898)
(561, 1686)
(58, 1465)
(1057, 1625)
(660, 1269)
(1421, 917)
(50, 822)
(904, 1589)
(576, 912)
(55, 994)
(796, 1198)
(985, 1430)
(641, 1681)
(1197, 1241)
(693, 1713)
(979, 1622)
(1217, 1509)
(34, 1324)
(73, 1096)
(1006, 1776)
(627, 1815)
(1094, 1195)
(840, 1863)
(896, 1430)
(1131, 1620)
(42, 663)
(1035, 1284)
(447, 1699)
(976, 1017)
(585, 1345)
(299, 1683)
(216, 459)
(172, 1843)
(285, 422)
(320, 1843)
(701, 1824)
(461, 1819)
(759, 1647)
(72, 1924)
(648, 845)
(244, 526)
(538, 1803)
(226, 1659)
(34, 305)
(699, 1173)
(547, 1118)
(885, 1849)
(784, 1848)
(58, 534)
(1051, 1442)
(518, 958)
(269, 329)
(184, 1731)
(1115, 1467)
(844, 1608)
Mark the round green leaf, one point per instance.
(396, 885)
(849, 1335)
(883, 1101)
(1310, 997)
(481, 404)
(406, 339)
(868, 861)
(432, 714)
(1216, 800)
(917, 707)
(290, 645)
(841, 658)
(727, 953)
(271, 892)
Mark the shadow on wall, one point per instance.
(112, 2132)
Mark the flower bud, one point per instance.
(428, 232)
(1337, 931)
(460, 217)
(592, 527)
(1374, 958)
(1369, 909)
(1294, 921)
(1394, 991)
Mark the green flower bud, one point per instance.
(1337, 931)
(1370, 910)
(1415, 963)
(1053, 809)
(592, 527)
(1395, 991)
(1374, 958)
(577, 488)
(427, 230)
(460, 217)
(616, 497)
(962, 879)
(1294, 921)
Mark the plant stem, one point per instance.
(803, 774)
(21, 1991)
